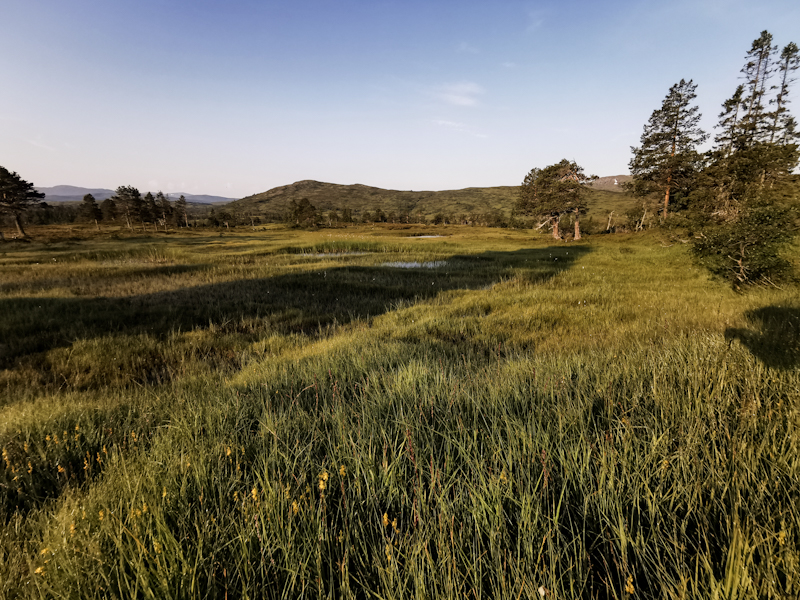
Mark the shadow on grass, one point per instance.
(774, 338)
(292, 303)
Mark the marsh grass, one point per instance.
(597, 420)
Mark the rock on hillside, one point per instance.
(610, 184)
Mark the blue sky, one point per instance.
(233, 98)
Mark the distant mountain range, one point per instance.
(71, 193)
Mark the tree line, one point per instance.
(738, 200)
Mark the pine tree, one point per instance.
(732, 111)
(109, 209)
(180, 210)
(149, 211)
(16, 196)
(782, 128)
(89, 210)
(746, 193)
(165, 209)
(554, 191)
(667, 159)
(754, 125)
(129, 201)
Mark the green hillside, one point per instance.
(360, 198)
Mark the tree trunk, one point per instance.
(18, 223)
(577, 225)
(610, 217)
(556, 235)
(666, 197)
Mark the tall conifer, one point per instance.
(667, 158)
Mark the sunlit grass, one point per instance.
(276, 414)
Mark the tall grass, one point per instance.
(607, 424)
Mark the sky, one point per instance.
(234, 98)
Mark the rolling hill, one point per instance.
(604, 197)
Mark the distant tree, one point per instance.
(554, 191)
(149, 211)
(129, 202)
(180, 210)
(347, 216)
(16, 196)
(303, 213)
(165, 209)
(89, 210)
(108, 208)
(667, 160)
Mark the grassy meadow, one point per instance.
(370, 412)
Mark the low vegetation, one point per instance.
(374, 412)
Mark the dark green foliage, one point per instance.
(746, 197)
(129, 201)
(555, 191)
(149, 211)
(303, 214)
(667, 162)
(89, 210)
(754, 126)
(108, 208)
(782, 129)
(16, 195)
(164, 210)
(746, 249)
(180, 212)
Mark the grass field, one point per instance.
(370, 413)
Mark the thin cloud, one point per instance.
(449, 124)
(459, 127)
(41, 145)
(467, 48)
(535, 19)
(460, 94)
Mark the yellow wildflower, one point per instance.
(101, 514)
(342, 471)
(157, 547)
(782, 537)
(60, 469)
(30, 468)
(163, 492)
(385, 520)
(295, 507)
(72, 529)
(322, 485)
(394, 525)
(254, 494)
(629, 585)
(44, 551)
(228, 451)
(39, 570)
